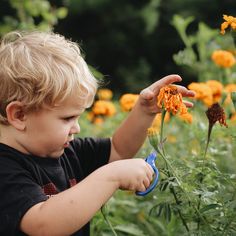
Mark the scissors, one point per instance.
(151, 161)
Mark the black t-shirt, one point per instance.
(26, 180)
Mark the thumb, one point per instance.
(147, 94)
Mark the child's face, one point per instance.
(49, 131)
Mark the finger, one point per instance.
(185, 92)
(150, 172)
(146, 183)
(147, 94)
(188, 104)
(142, 187)
(169, 79)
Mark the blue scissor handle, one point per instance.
(151, 161)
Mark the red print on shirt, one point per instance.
(72, 182)
(50, 189)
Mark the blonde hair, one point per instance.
(39, 68)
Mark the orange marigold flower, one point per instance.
(229, 21)
(171, 99)
(127, 101)
(105, 108)
(216, 113)
(223, 58)
(98, 121)
(217, 89)
(229, 88)
(203, 93)
(187, 117)
(104, 94)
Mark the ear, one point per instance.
(16, 115)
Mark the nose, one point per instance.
(75, 129)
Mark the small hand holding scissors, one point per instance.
(151, 161)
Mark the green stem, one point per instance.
(169, 166)
(208, 140)
(185, 193)
(179, 212)
(203, 164)
(107, 221)
(163, 113)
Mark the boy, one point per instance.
(51, 183)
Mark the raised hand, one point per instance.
(148, 96)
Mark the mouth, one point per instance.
(66, 144)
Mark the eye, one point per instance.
(68, 118)
(71, 118)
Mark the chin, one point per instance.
(56, 154)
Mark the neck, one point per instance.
(8, 136)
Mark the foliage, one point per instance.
(199, 48)
(32, 14)
(196, 194)
(36, 15)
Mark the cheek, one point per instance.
(61, 131)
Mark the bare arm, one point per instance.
(130, 136)
(68, 211)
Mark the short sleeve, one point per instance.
(20, 194)
(92, 152)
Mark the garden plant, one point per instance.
(195, 148)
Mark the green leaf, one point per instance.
(233, 97)
(62, 12)
(130, 229)
(209, 207)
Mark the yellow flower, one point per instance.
(157, 121)
(223, 58)
(171, 99)
(104, 94)
(105, 108)
(217, 89)
(203, 93)
(229, 21)
(127, 101)
(151, 131)
(187, 117)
